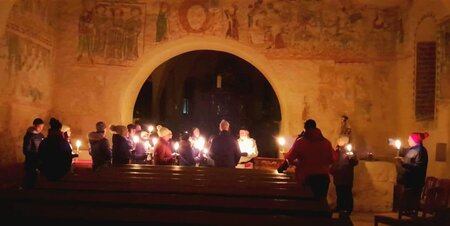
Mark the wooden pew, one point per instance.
(168, 195)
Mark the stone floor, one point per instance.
(364, 218)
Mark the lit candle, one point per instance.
(151, 128)
(199, 143)
(281, 141)
(78, 144)
(398, 144)
(349, 148)
(154, 141)
(176, 146)
(136, 139)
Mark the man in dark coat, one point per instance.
(31, 141)
(100, 149)
(224, 148)
(55, 153)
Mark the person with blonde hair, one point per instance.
(224, 148)
(121, 148)
(163, 150)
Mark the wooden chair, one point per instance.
(435, 200)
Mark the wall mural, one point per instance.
(111, 32)
(26, 49)
(298, 29)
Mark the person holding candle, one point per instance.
(414, 162)
(121, 148)
(163, 150)
(248, 148)
(55, 153)
(198, 144)
(186, 151)
(343, 171)
(100, 149)
(139, 154)
(312, 154)
(224, 148)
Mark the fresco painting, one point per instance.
(26, 50)
(111, 32)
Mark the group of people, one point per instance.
(51, 155)
(315, 159)
(312, 154)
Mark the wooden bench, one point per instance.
(168, 195)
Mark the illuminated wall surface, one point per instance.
(83, 61)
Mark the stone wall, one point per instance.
(26, 65)
(323, 59)
(432, 16)
(312, 54)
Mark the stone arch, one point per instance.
(158, 55)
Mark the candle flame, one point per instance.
(78, 144)
(281, 141)
(397, 144)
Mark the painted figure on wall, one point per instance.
(233, 23)
(86, 35)
(253, 10)
(111, 33)
(116, 39)
(161, 22)
(101, 25)
(132, 30)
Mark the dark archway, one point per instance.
(199, 88)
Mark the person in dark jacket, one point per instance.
(139, 154)
(100, 149)
(163, 150)
(224, 148)
(415, 163)
(55, 153)
(343, 171)
(121, 147)
(186, 151)
(31, 141)
(312, 154)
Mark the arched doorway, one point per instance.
(200, 88)
(163, 52)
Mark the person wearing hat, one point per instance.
(312, 154)
(55, 153)
(163, 150)
(224, 148)
(414, 162)
(31, 141)
(121, 147)
(100, 149)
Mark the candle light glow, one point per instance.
(281, 141)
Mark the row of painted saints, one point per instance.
(113, 32)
